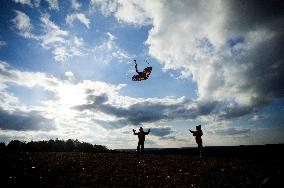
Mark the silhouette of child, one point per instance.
(198, 133)
(141, 138)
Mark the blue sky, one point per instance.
(66, 69)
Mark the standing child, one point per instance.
(141, 138)
(198, 133)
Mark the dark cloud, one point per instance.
(265, 61)
(137, 113)
(24, 121)
(96, 99)
(161, 132)
(266, 73)
(246, 15)
(164, 133)
(223, 110)
(230, 131)
(148, 112)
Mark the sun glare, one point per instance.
(70, 96)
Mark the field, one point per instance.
(74, 169)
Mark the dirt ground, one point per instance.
(71, 169)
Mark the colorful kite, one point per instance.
(141, 75)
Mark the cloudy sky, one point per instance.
(66, 68)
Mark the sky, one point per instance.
(66, 69)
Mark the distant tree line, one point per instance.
(56, 145)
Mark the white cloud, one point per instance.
(53, 4)
(23, 24)
(137, 12)
(79, 16)
(133, 12)
(78, 41)
(53, 38)
(57, 39)
(28, 79)
(2, 43)
(75, 4)
(256, 117)
(67, 93)
(60, 54)
(70, 75)
(52, 33)
(24, 2)
(109, 50)
(105, 6)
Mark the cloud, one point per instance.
(24, 2)
(230, 131)
(108, 50)
(106, 7)
(80, 17)
(155, 110)
(53, 4)
(23, 121)
(78, 41)
(75, 4)
(28, 79)
(144, 111)
(161, 132)
(69, 75)
(258, 117)
(63, 47)
(66, 93)
(2, 43)
(132, 12)
(53, 35)
(23, 24)
(231, 50)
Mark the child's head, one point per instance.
(141, 129)
(198, 127)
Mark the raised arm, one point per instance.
(191, 131)
(134, 132)
(146, 133)
(136, 66)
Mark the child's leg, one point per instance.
(200, 149)
(142, 148)
(138, 148)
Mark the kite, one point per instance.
(141, 75)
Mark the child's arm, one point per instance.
(134, 132)
(136, 68)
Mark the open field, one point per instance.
(74, 169)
